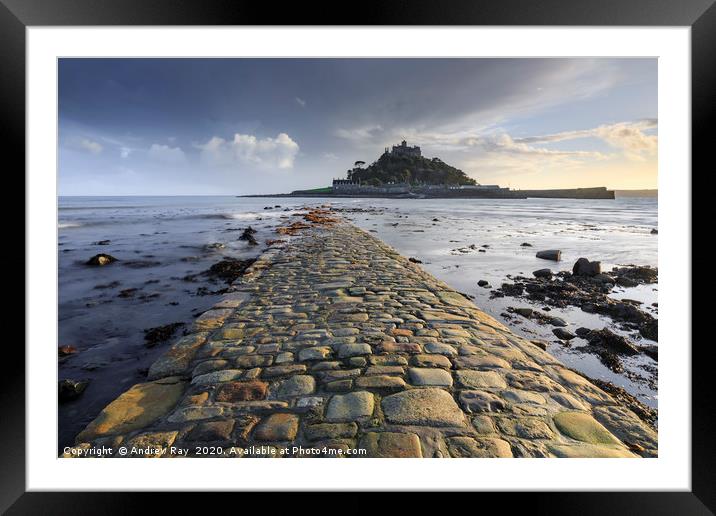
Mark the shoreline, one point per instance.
(116, 320)
(589, 193)
(314, 349)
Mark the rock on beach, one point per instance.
(550, 254)
(101, 259)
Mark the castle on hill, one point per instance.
(403, 172)
(401, 183)
(404, 150)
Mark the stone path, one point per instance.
(340, 346)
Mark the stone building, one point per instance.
(404, 150)
(345, 185)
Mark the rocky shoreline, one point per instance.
(120, 309)
(334, 342)
(588, 288)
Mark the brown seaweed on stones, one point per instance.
(154, 336)
(229, 269)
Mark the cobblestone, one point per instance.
(336, 340)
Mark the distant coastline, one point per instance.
(502, 193)
(637, 193)
(453, 193)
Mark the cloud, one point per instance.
(500, 157)
(279, 152)
(504, 143)
(627, 136)
(361, 134)
(124, 152)
(482, 96)
(90, 146)
(301, 102)
(631, 138)
(167, 154)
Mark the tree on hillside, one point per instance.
(406, 176)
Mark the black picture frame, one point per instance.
(16, 15)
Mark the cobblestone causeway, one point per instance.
(336, 342)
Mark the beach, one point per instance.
(335, 337)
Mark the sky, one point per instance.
(247, 126)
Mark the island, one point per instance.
(403, 172)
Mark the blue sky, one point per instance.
(240, 126)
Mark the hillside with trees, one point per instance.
(391, 168)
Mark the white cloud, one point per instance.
(90, 146)
(504, 143)
(631, 138)
(627, 136)
(301, 102)
(279, 152)
(501, 155)
(361, 134)
(124, 152)
(167, 154)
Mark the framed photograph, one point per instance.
(420, 233)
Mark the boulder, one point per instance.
(154, 336)
(483, 283)
(609, 340)
(563, 334)
(584, 267)
(623, 281)
(604, 278)
(582, 331)
(542, 273)
(638, 273)
(550, 254)
(248, 235)
(68, 390)
(651, 351)
(558, 321)
(101, 259)
(590, 308)
(229, 269)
